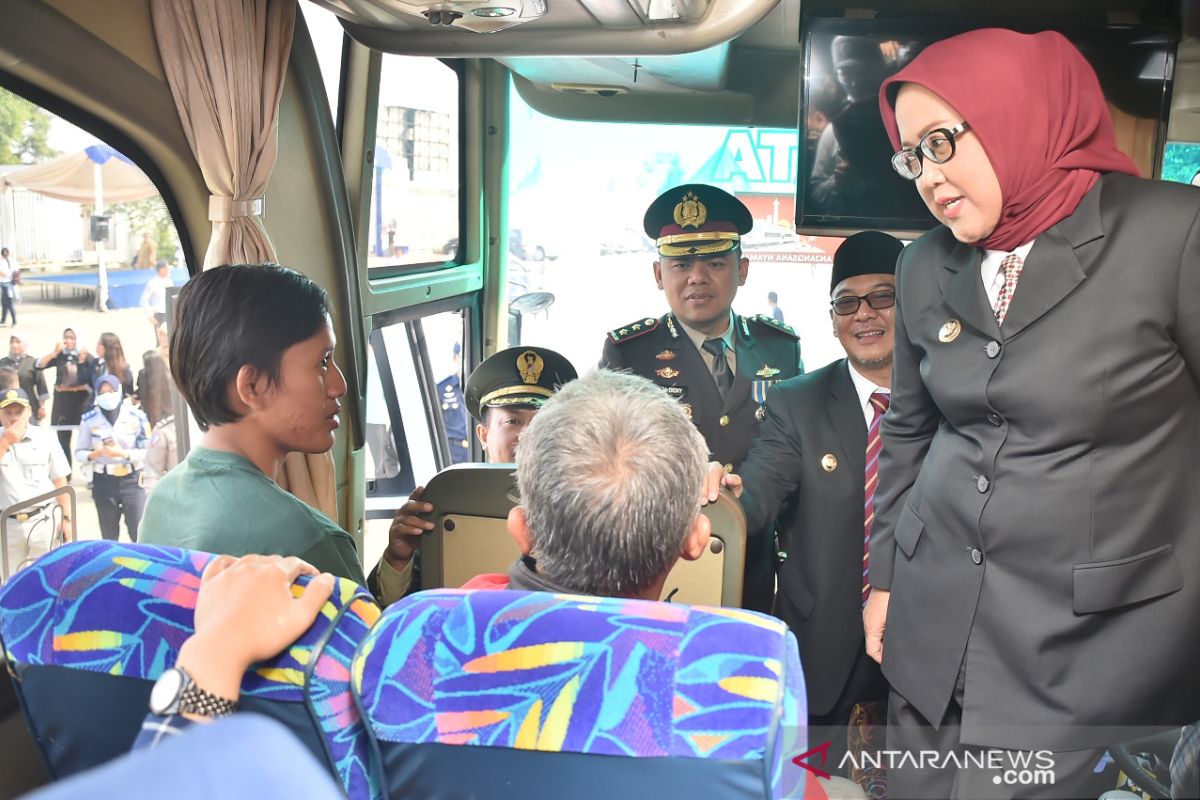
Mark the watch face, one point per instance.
(164, 697)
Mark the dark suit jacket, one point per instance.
(767, 352)
(821, 527)
(1039, 501)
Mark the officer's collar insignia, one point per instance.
(767, 372)
(666, 355)
(530, 365)
(690, 212)
(671, 326)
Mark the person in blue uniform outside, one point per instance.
(454, 411)
(113, 436)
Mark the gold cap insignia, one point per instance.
(767, 372)
(668, 373)
(690, 212)
(950, 331)
(666, 355)
(829, 462)
(530, 365)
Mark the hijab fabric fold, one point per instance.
(1038, 110)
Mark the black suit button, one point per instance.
(992, 349)
(976, 556)
(982, 484)
(995, 419)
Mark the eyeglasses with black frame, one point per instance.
(937, 145)
(848, 304)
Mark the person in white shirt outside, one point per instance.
(8, 291)
(31, 463)
(154, 296)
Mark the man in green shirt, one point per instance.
(252, 354)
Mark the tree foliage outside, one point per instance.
(1181, 161)
(150, 216)
(24, 131)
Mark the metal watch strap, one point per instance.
(195, 700)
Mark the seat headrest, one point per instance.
(585, 675)
(125, 609)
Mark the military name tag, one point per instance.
(678, 392)
(949, 331)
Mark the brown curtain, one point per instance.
(226, 61)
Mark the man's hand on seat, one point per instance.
(716, 478)
(874, 621)
(247, 612)
(404, 537)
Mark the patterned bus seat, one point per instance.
(507, 694)
(89, 627)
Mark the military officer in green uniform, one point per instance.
(716, 363)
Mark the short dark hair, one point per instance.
(235, 315)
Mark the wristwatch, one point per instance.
(176, 693)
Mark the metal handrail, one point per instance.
(56, 538)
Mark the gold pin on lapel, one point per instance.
(829, 462)
(666, 355)
(667, 373)
(687, 409)
(950, 331)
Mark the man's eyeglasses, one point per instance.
(937, 145)
(848, 303)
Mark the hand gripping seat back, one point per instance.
(506, 694)
(89, 627)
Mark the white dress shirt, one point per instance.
(865, 388)
(993, 276)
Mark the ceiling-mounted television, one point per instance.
(845, 182)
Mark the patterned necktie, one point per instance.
(720, 367)
(879, 403)
(1011, 266)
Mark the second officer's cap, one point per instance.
(696, 219)
(518, 376)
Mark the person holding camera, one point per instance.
(76, 369)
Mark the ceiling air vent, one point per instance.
(589, 88)
(480, 16)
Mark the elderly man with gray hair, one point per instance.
(610, 473)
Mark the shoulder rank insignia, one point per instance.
(776, 324)
(632, 330)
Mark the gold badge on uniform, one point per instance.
(687, 409)
(950, 331)
(666, 355)
(829, 462)
(530, 365)
(767, 372)
(690, 212)
(667, 373)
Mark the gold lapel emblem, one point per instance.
(690, 212)
(687, 409)
(666, 355)
(829, 462)
(767, 372)
(950, 331)
(667, 373)
(530, 365)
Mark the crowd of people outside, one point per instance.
(82, 411)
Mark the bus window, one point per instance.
(90, 256)
(328, 39)
(579, 263)
(414, 216)
(416, 420)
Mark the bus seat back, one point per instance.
(470, 537)
(89, 627)
(510, 694)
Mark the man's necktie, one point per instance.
(879, 404)
(1011, 267)
(721, 373)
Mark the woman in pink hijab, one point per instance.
(1034, 554)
